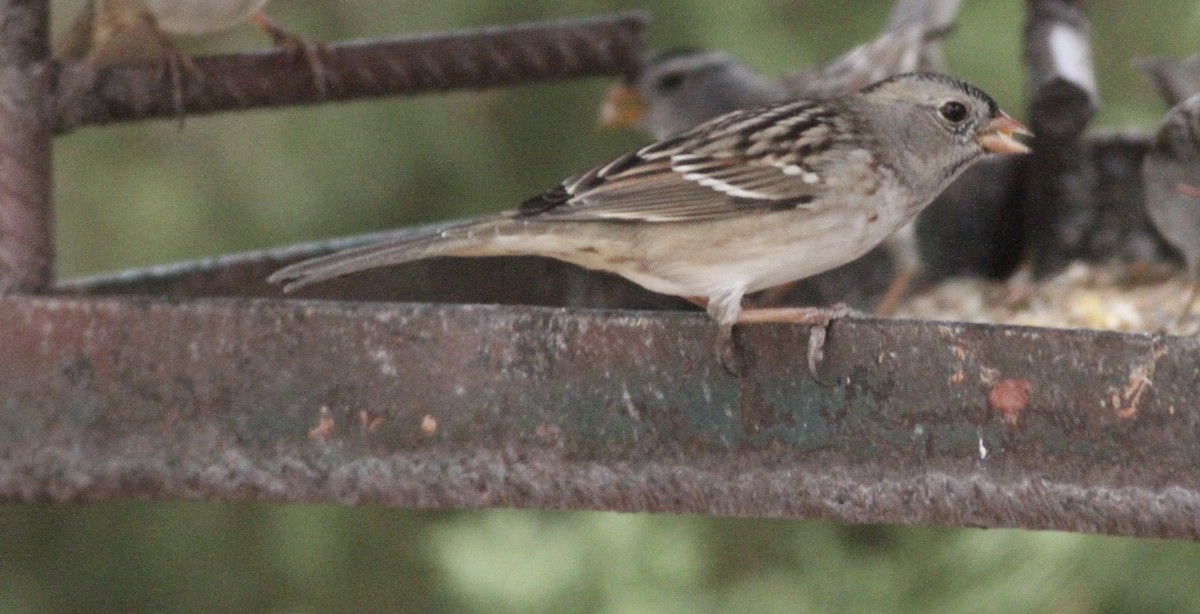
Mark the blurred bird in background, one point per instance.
(1171, 168)
(108, 32)
(680, 88)
(1171, 175)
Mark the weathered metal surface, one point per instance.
(177, 383)
(490, 57)
(469, 406)
(26, 215)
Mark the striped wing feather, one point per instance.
(742, 162)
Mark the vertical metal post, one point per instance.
(26, 211)
(1062, 100)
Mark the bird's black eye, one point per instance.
(669, 81)
(954, 111)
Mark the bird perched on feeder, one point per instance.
(749, 200)
(680, 88)
(110, 32)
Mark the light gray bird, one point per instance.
(1171, 176)
(749, 200)
(680, 88)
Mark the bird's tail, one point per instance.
(491, 236)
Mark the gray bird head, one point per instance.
(931, 127)
(681, 88)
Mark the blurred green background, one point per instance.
(143, 194)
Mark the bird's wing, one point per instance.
(751, 161)
(930, 14)
(894, 52)
(1176, 79)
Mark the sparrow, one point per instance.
(111, 32)
(1171, 180)
(749, 200)
(680, 88)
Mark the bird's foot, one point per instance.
(1187, 306)
(176, 67)
(310, 51)
(728, 353)
(817, 318)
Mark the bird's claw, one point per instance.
(176, 68)
(816, 350)
(817, 318)
(299, 46)
(728, 353)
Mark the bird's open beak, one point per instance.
(997, 135)
(623, 107)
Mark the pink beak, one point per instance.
(997, 135)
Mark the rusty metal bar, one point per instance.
(198, 381)
(460, 406)
(26, 212)
(489, 57)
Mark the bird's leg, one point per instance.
(175, 65)
(1187, 306)
(817, 318)
(906, 266)
(80, 38)
(725, 309)
(896, 291)
(126, 32)
(111, 32)
(775, 296)
(297, 45)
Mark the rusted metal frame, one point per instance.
(466, 406)
(489, 57)
(460, 406)
(26, 211)
(38, 98)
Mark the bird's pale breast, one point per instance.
(759, 251)
(201, 16)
